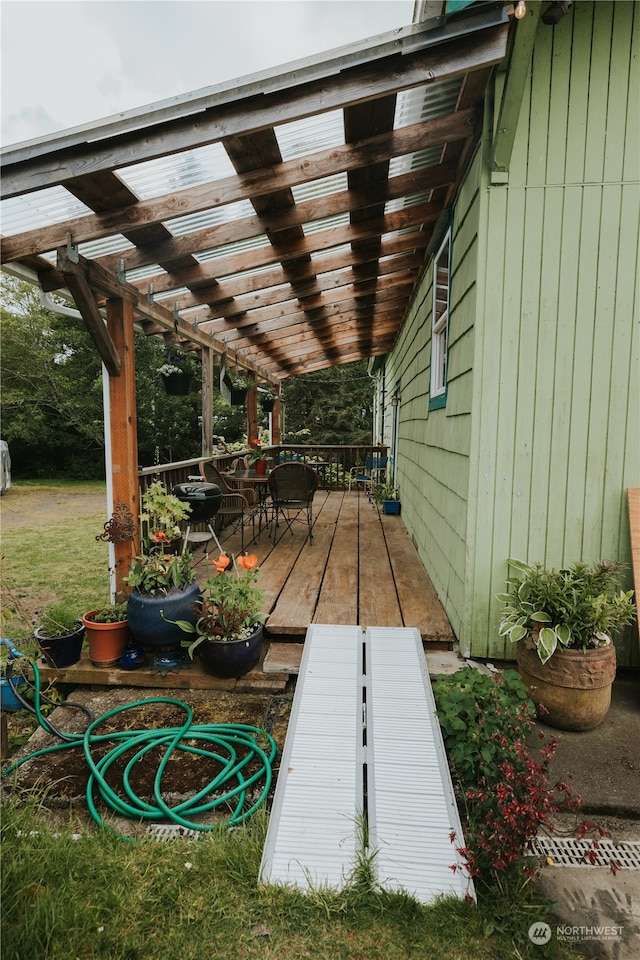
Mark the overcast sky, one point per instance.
(70, 62)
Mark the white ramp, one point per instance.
(411, 808)
(363, 740)
(312, 835)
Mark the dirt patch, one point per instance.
(65, 773)
(33, 506)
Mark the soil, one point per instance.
(65, 773)
(45, 505)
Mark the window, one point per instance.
(440, 324)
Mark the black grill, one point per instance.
(203, 498)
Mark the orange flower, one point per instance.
(158, 536)
(222, 562)
(249, 561)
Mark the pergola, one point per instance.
(277, 224)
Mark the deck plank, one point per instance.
(419, 601)
(338, 600)
(377, 599)
(297, 602)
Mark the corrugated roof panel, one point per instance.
(155, 178)
(310, 134)
(39, 209)
(209, 218)
(320, 188)
(229, 249)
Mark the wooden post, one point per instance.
(207, 402)
(252, 414)
(124, 431)
(276, 429)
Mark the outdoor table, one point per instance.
(249, 478)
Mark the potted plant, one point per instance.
(257, 458)
(163, 589)
(161, 515)
(229, 624)
(60, 635)
(239, 388)
(563, 622)
(267, 401)
(177, 372)
(387, 495)
(107, 632)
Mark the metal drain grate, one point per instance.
(170, 831)
(571, 852)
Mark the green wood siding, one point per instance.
(539, 439)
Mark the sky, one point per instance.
(71, 62)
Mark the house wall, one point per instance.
(434, 446)
(544, 338)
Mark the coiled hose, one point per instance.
(233, 746)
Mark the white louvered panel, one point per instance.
(411, 804)
(312, 835)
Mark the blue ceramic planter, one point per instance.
(149, 627)
(231, 658)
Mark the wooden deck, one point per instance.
(360, 568)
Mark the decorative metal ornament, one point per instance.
(120, 527)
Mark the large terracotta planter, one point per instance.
(107, 641)
(572, 690)
(231, 658)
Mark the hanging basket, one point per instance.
(267, 404)
(177, 384)
(238, 396)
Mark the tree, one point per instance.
(334, 405)
(51, 389)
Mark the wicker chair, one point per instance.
(239, 504)
(292, 486)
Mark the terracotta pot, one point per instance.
(107, 641)
(572, 690)
(231, 658)
(261, 468)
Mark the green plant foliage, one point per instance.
(579, 607)
(332, 406)
(231, 602)
(59, 619)
(113, 613)
(158, 572)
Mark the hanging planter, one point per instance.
(177, 384)
(267, 402)
(238, 396)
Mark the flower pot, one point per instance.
(61, 651)
(107, 641)
(572, 690)
(391, 506)
(231, 658)
(238, 396)
(261, 468)
(267, 405)
(177, 384)
(8, 698)
(148, 615)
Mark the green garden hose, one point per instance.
(234, 747)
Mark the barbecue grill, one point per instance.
(204, 500)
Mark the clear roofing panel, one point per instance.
(144, 273)
(310, 134)
(427, 102)
(339, 220)
(210, 218)
(100, 248)
(154, 178)
(320, 188)
(232, 249)
(39, 209)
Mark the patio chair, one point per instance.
(374, 471)
(240, 504)
(292, 486)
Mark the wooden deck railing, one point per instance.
(333, 462)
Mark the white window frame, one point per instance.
(440, 317)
